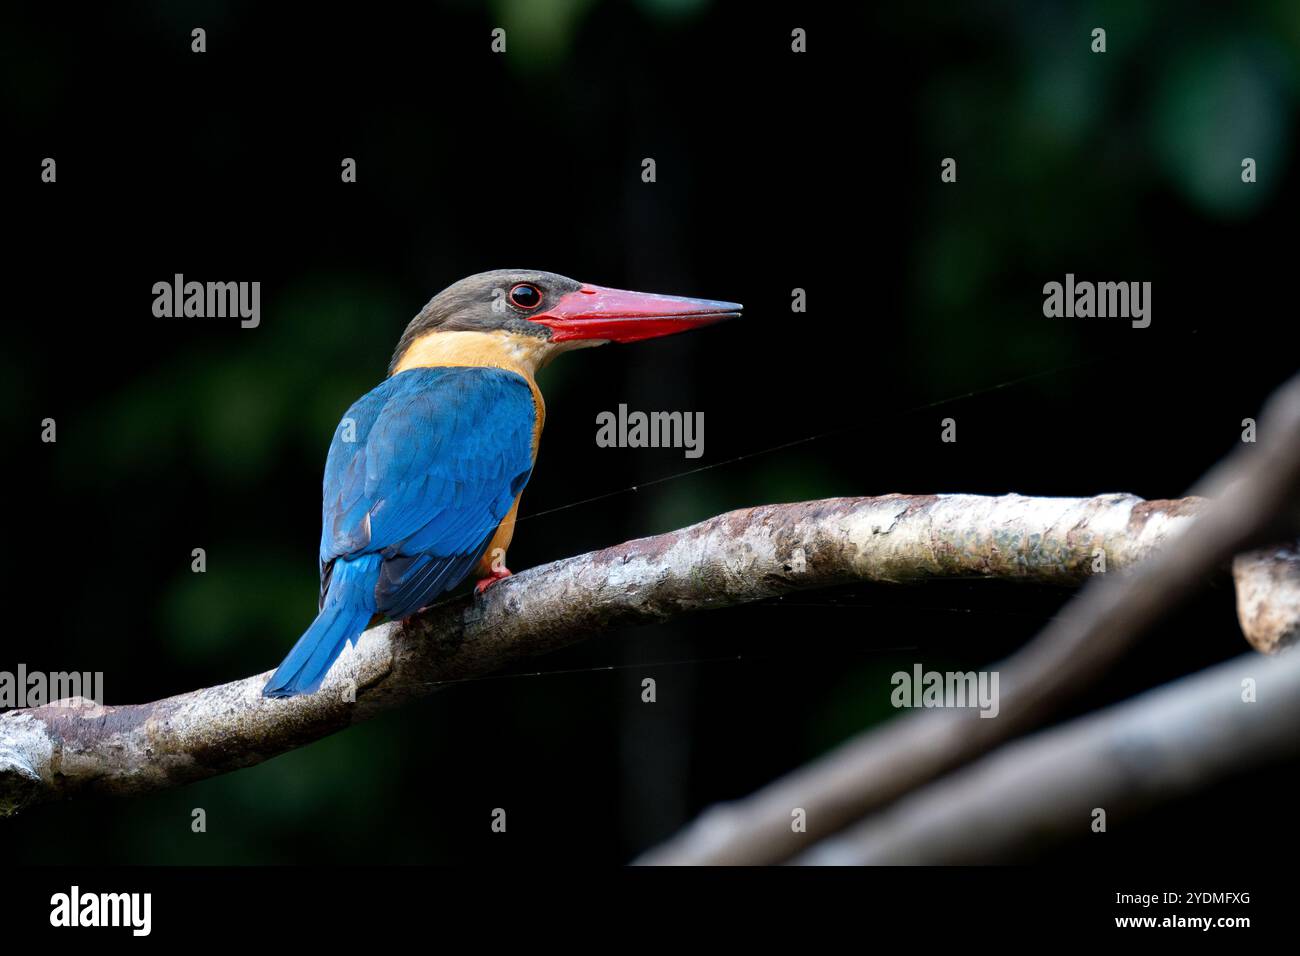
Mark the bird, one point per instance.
(424, 473)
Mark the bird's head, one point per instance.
(536, 315)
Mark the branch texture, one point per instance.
(61, 750)
(1268, 597)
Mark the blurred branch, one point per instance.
(59, 751)
(1259, 503)
(1164, 744)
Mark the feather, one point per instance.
(420, 474)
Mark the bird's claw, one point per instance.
(496, 575)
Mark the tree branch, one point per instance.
(1257, 501)
(1268, 597)
(1166, 743)
(61, 749)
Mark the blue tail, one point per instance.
(348, 608)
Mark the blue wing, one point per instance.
(421, 472)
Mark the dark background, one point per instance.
(775, 171)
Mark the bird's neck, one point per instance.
(521, 354)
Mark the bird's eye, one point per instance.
(526, 296)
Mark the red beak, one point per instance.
(594, 312)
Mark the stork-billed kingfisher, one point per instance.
(423, 477)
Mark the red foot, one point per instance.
(496, 575)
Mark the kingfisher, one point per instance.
(425, 472)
